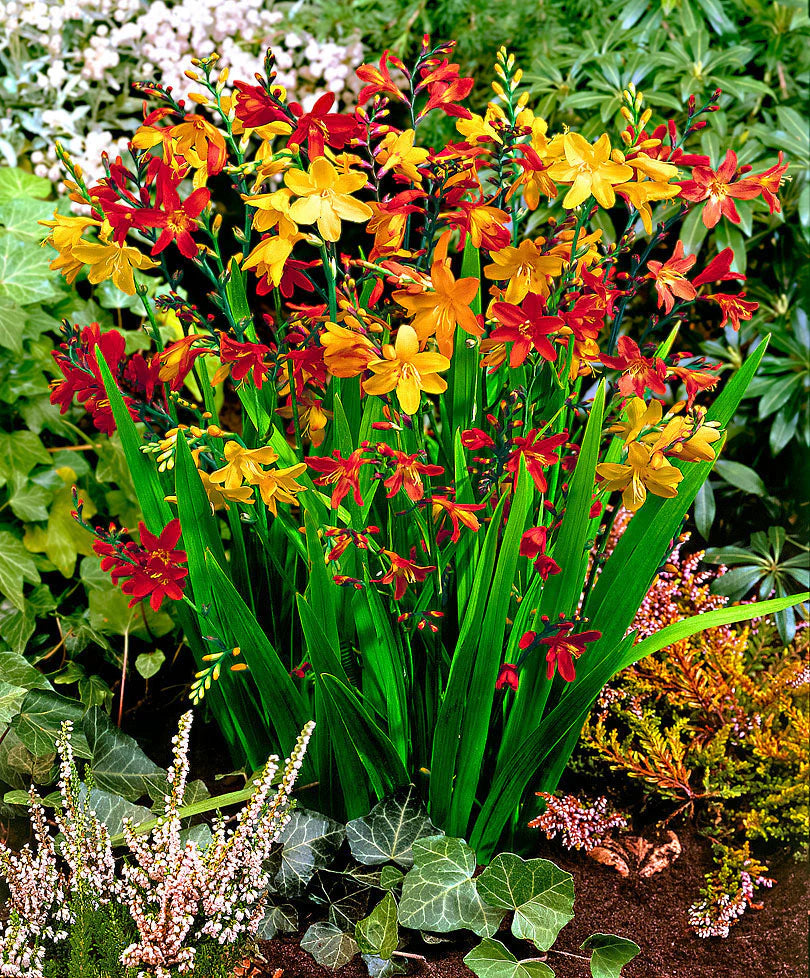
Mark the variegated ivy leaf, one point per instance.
(40, 720)
(610, 954)
(118, 763)
(113, 809)
(378, 967)
(540, 894)
(439, 893)
(309, 842)
(278, 918)
(378, 933)
(492, 960)
(390, 829)
(330, 947)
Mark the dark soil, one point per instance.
(767, 943)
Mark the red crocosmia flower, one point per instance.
(407, 469)
(670, 278)
(379, 80)
(82, 377)
(533, 542)
(241, 359)
(445, 88)
(694, 379)
(177, 218)
(150, 570)
(507, 676)
(402, 573)
(596, 509)
(718, 188)
(638, 372)
(319, 126)
(769, 183)
(301, 670)
(254, 107)
(292, 278)
(177, 359)
(526, 328)
(343, 473)
(719, 269)
(563, 648)
(546, 566)
(474, 439)
(538, 453)
(734, 308)
(458, 512)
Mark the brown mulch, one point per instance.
(772, 942)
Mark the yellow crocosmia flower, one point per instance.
(525, 269)
(243, 465)
(272, 210)
(219, 496)
(113, 261)
(442, 309)
(325, 197)
(654, 169)
(398, 153)
(478, 127)
(270, 255)
(644, 470)
(66, 234)
(639, 416)
(279, 486)
(640, 193)
(407, 370)
(590, 170)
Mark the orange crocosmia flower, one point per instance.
(177, 360)
(243, 465)
(342, 473)
(459, 513)
(312, 417)
(735, 308)
(537, 453)
(407, 471)
(379, 80)
(407, 370)
(644, 470)
(398, 153)
(589, 169)
(110, 260)
(525, 269)
(441, 310)
(638, 372)
(279, 486)
(402, 573)
(347, 353)
(769, 183)
(200, 143)
(388, 223)
(719, 188)
(670, 278)
(324, 197)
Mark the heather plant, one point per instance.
(66, 69)
(717, 725)
(173, 905)
(437, 399)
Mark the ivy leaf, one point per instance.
(439, 894)
(330, 947)
(64, 539)
(16, 183)
(19, 671)
(112, 809)
(118, 763)
(29, 501)
(19, 767)
(40, 720)
(24, 273)
(540, 894)
(12, 316)
(390, 829)
(378, 967)
(378, 933)
(309, 842)
(110, 614)
(20, 451)
(16, 567)
(21, 217)
(492, 960)
(610, 954)
(278, 918)
(11, 699)
(148, 663)
(390, 877)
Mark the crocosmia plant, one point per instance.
(448, 380)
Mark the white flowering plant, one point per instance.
(66, 66)
(174, 905)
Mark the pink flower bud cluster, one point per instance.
(715, 915)
(579, 825)
(177, 892)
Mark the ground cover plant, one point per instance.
(435, 610)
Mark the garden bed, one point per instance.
(652, 912)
